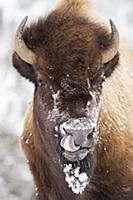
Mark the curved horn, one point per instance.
(112, 49)
(20, 47)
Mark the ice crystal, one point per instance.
(76, 180)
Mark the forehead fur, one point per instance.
(66, 39)
(74, 6)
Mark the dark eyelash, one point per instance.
(41, 83)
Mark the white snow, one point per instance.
(55, 113)
(36, 194)
(83, 177)
(76, 124)
(76, 181)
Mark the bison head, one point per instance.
(67, 57)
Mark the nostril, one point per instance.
(90, 136)
(77, 144)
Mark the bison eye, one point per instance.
(41, 83)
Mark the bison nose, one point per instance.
(75, 133)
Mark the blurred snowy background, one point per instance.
(15, 92)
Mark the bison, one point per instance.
(78, 130)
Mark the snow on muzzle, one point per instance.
(77, 138)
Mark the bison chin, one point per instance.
(77, 149)
(78, 173)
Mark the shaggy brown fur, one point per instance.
(67, 47)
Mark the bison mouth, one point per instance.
(78, 138)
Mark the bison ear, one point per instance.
(26, 70)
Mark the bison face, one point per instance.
(67, 58)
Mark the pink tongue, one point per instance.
(67, 143)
